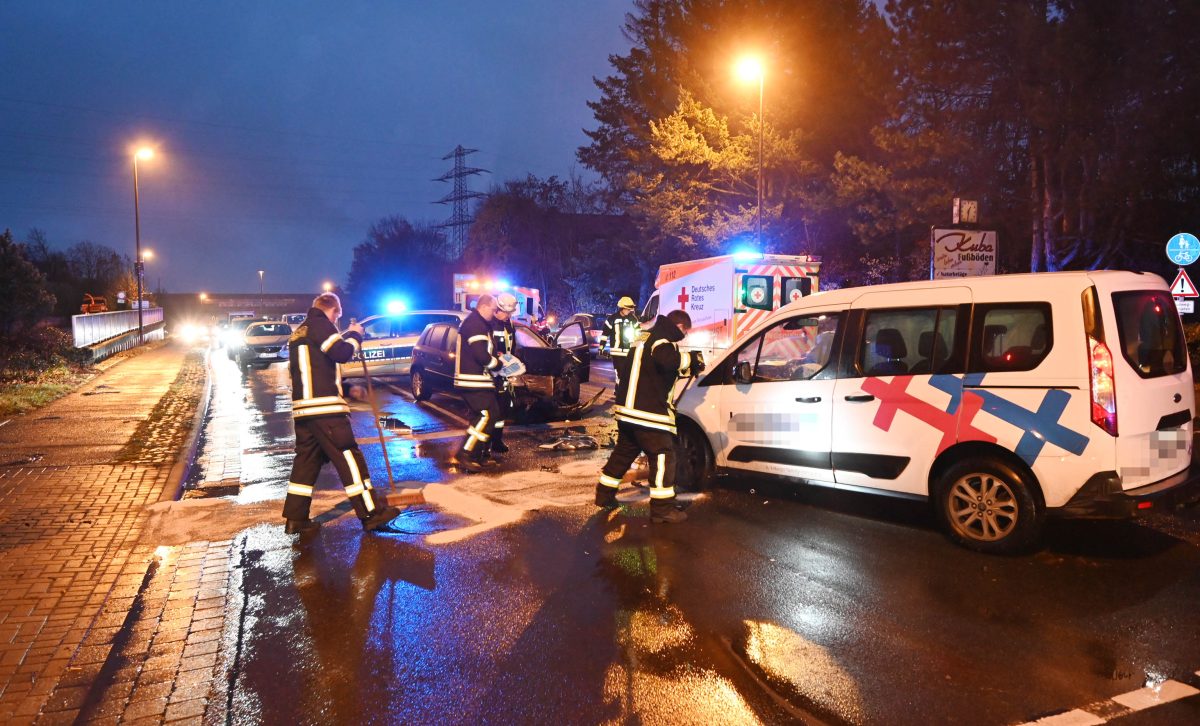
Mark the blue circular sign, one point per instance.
(1183, 249)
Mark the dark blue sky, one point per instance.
(284, 128)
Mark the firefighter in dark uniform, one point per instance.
(620, 330)
(322, 420)
(645, 414)
(504, 340)
(475, 367)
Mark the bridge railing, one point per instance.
(97, 327)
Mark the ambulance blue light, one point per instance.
(502, 285)
(747, 255)
(395, 307)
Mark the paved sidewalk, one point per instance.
(80, 594)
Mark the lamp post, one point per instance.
(327, 287)
(751, 69)
(260, 291)
(145, 153)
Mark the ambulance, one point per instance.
(468, 288)
(730, 294)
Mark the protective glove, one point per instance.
(697, 365)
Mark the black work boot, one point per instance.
(606, 496)
(665, 510)
(498, 446)
(380, 518)
(465, 461)
(301, 526)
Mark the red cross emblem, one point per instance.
(683, 297)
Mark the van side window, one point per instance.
(1010, 337)
(1151, 333)
(915, 341)
(796, 349)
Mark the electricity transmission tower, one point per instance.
(460, 220)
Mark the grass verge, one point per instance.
(35, 391)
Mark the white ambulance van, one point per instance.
(1002, 400)
(727, 296)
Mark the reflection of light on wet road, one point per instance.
(784, 656)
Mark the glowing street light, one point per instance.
(327, 287)
(260, 291)
(750, 69)
(144, 153)
(203, 297)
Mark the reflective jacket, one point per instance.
(315, 349)
(504, 336)
(620, 331)
(654, 363)
(475, 361)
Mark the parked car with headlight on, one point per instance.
(264, 343)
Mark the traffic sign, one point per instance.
(1185, 307)
(1183, 249)
(1183, 287)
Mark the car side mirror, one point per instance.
(742, 373)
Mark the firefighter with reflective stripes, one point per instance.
(475, 368)
(645, 414)
(504, 340)
(322, 420)
(620, 330)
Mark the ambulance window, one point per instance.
(1011, 337)
(795, 288)
(757, 291)
(796, 349)
(651, 311)
(1150, 332)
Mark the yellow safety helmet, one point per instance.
(626, 302)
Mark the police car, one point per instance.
(1000, 400)
(388, 341)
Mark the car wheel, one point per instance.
(567, 386)
(694, 466)
(988, 505)
(419, 386)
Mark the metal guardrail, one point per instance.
(96, 327)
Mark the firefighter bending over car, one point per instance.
(620, 330)
(475, 367)
(504, 338)
(322, 420)
(645, 414)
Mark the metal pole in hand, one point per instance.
(378, 426)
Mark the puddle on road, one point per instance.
(24, 460)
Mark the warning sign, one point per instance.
(1183, 287)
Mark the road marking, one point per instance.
(1121, 705)
(1164, 692)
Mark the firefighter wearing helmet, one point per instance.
(475, 366)
(620, 330)
(504, 340)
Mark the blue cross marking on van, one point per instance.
(1183, 249)
(1040, 426)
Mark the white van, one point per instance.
(1000, 399)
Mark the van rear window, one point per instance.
(1151, 333)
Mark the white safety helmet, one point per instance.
(506, 302)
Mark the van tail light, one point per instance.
(1104, 388)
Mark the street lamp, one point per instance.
(327, 287)
(260, 291)
(144, 153)
(750, 69)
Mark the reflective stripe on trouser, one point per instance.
(660, 450)
(504, 398)
(485, 410)
(328, 439)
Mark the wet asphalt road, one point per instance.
(510, 599)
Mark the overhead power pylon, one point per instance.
(460, 218)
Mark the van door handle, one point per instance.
(860, 398)
(810, 399)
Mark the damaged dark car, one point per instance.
(554, 368)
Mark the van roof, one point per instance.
(1020, 285)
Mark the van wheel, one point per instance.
(694, 466)
(418, 385)
(987, 505)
